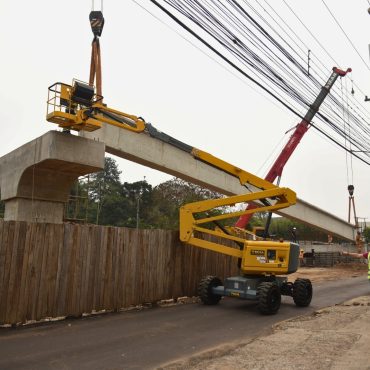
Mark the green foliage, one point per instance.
(105, 200)
(258, 219)
(366, 234)
(168, 197)
(281, 227)
(100, 197)
(133, 204)
(2, 208)
(138, 199)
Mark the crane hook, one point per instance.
(96, 19)
(96, 22)
(351, 188)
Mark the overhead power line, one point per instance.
(304, 48)
(225, 59)
(345, 34)
(231, 31)
(323, 48)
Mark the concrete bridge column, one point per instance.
(36, 178)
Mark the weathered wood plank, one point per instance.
(23, 276)
(118, 262)
(57, 309)
(16, 267)
(38, 268)
(84, 258)
(32, 272)
(6, 279)
(4, 245)
(64, 274)
(55, 245)
(77, 262)
(90, 269)
(107, 278)
(10, 284)
(43, 279)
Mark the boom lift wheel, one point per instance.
(205, 290)
(302, 292)
(269, 298)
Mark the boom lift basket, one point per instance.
(66, 104)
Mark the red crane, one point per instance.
(277, 168)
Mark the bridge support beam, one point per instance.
(151, 152)
(36, 178)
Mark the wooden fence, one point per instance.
(50, 270)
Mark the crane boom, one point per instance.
(278, 166)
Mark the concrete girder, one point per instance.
(36, 178)
(148, 151)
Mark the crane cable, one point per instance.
(349, 166)
(93, 5)
(347, 130)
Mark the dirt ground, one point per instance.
(340, 271)
(334, 338)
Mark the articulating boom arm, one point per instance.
(269, 198)
(78, 107)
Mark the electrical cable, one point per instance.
(279, 24)
(313, 36)
(224, 58)
(345, 34)
(227, 38)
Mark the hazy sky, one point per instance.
(151, 71)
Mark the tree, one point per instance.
(366, 234)
(168, 197)
(139, 198)
(103, 194)
(2, 208)
(107, 201)
(282, 227)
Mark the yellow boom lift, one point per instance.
(77, 107)
(263, 263)
(260, 261)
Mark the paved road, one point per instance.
(145, 339)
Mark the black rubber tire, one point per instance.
(269, 298)
(205, 290)
(302, 292)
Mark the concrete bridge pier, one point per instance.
(36, 178)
